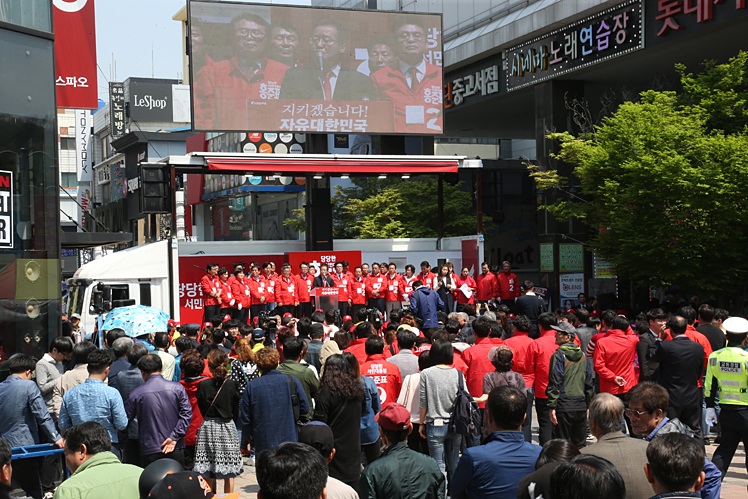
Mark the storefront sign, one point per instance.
(670, 19)
(610, 33)
(75, 54)
(116, 109)
(102, 175)
(83, 155)
(7, 227)
(84, 202)
(546, 257)
(483, 82)
(570, 285)
(570, 257)
(118, 183)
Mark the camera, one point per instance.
(374, 316)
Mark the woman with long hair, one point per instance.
(370, 442)
(444, 284)
(246, 358)
(217, 454)
(340, 404)
(538, 483)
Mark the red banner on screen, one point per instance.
(190, 294)
(75, 54)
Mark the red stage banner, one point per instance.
(317, 258)
(190, 294)
(75, 54)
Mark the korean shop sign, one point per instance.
(480, 81)
(670, 19)
(611, 33)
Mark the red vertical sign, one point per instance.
(470, 257)
(75, 54)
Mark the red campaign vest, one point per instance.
(461, 298)
(256, 290)
(357, 291)
(508, 285)
(486, 285)
(207, 286)
(305, 287)
(375, 283)
(392, 86)
(269, 289)
(286, 291)
(240, 290)
(386, 376)
(342, 284)
(227, 297)
(409, 285)
(427, 280)
(398, 288)
(222, 88)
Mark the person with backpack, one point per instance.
(438, 392)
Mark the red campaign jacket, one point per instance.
(391, 85)
(269, 288)
(461, 298)
(304, 283)
(286, 291)
(207, 286)
(478, 364)
(357, 291)
(520, 344)
(256, 290)
(486, 284)
(240, 290)
(341, 282)
(387, 377)
(358, 351)
(508, 285)
(539, 355)
(409, 286)
(427, 280)
(222, 89)
(375, 283)
(394, 288)
(227, 296)
(614, 356)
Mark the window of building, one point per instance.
(67, 144)
(68, 180)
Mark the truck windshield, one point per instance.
(75, 299)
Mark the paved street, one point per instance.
(733, 486)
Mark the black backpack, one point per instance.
(466, 418)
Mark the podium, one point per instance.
(325, 298)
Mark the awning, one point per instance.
(333, 164)
(81, 240)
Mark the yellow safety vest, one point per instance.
(729, 368)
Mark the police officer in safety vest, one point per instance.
(727, 373)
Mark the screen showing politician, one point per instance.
(301, 69)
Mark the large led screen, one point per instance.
(258, 67)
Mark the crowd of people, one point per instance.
(421, 403)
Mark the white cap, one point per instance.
(736, 325)
(75, 316)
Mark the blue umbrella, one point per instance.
(136, 320)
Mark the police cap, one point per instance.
(736, 325)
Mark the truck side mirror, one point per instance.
(102, 298)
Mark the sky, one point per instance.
(127, 30)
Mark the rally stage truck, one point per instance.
(166, 274)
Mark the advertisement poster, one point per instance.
(570, 285)
(75, 53)
(7, 227)
(570, 257)
(300, 69)
(546, 257)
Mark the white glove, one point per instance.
(711, 416)
(240, 306)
